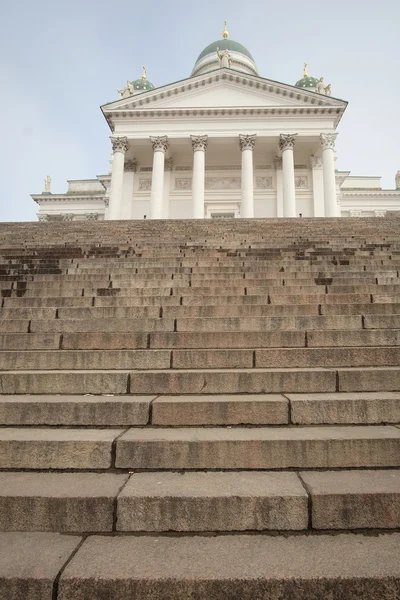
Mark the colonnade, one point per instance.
(324, 187)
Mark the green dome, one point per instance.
(142, 85)
(307, 82)
(225, 44)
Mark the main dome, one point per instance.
(240, 57)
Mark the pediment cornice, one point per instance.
(288, 99)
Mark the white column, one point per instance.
(279, 186)
(130, 168)
(160, 146)
(286, 145)
(340, 179)
(199, 145)
(318, 186)
(120, 146)
(246, 144)
(168, 166)
(327, 141)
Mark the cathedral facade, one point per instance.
(223, 143)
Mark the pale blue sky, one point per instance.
(61, 60)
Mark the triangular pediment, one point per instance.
(223, 88)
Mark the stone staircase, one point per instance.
(200, 410)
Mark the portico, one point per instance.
(250, 174)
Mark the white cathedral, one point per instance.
(225, 142)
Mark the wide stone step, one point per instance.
(94, 411)
(150, 359)
(46, 448)
(234, 568)
(259, 448)
(268, 323)
(202, 340)
(303, 409)
(226, 567)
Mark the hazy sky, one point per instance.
(60, 60)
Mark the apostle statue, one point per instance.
(224, 59)
(127, 91)
(47, 184)
(323, 88)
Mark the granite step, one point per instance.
(360, 408)
(354, 499)
(55, 448)
(259, 448)
(59, 502)
(77, 411)
(293, 567)
(85, 502)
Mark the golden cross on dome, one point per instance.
(144, 75)
(225, 32)
(305, 74)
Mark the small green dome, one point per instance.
(225, 44)
(142, 85)
(307, 82)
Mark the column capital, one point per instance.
(327, 141)
(287, 141)
(199, 142)
(160, 143)
(277, 163)
(131, 166)
(316, 162)
(247, 141)
(119, 144)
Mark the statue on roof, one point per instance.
(323, 88)
(224, 59)
(127, 91)
(47, 184)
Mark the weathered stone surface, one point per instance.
(268, 323)
(244, 381)
(259, 448)
(75, 410)
(355, 408)
(382, 321)
(211, 359)
(327, 357)
(35, 448)
(83, 360)
(354, 499)
(257, 409)
(28, 313)
(104, 341)
(14, 326)
(227, 339)
(59, 502)
(29, 341)
(212, 502)
(99, 325)
(369, 380)
(385, 337)
(30, 563)
(234, 568)
(64, 382)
